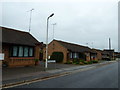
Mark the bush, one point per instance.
(75, 60)
(77, 63)
(81, 63)
(89, 62)
(85, 62)
(73, 63)
(68, 62)
(95, 61)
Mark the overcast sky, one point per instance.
(80, 22)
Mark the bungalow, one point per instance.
(19, 48)
(116, 55)
(105, 55)
(70, 51)
(110, 53)
(99, 53)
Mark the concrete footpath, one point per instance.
(22, 74)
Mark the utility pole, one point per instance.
(53, 29)
(30, 19)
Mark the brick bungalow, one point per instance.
(116, 55)
(20, 48)
(70, 51)
(105, 55)
(99, 53)
(110, 53)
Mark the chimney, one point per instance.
(109, 44)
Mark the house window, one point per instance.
(75, 55)
(20, 53)
(30, 51)
(15, 50)
(26, 51)
(71, 55)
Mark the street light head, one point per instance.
(32, 9)
(51, 15)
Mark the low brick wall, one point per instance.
(16, 62)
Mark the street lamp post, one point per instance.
(47, 40)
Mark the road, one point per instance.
(102, 77)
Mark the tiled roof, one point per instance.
(13, 36)
(75, 47)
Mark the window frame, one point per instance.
(29, 51)
(71, 55)
(22, 51)
(16, 51)
(11, 51)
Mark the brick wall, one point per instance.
(16, 61)
(37, 52)
(5, 50)
(87, 56)
(54, 46)
(99, 55)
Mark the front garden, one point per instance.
(81, 62)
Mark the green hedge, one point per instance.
(68, 62)
(90, 62)
(85, 62)
(95, 61)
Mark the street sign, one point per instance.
(49, 61)
(2, 56)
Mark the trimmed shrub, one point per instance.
(75, 60)
(68, 62)
(77, 63)
(73, 63)
(81, 63)
(85, 62)
(95, 61)
(89, 62)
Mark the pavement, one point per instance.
(22, 74)
(105, 76)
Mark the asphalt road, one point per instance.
(103, 77)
